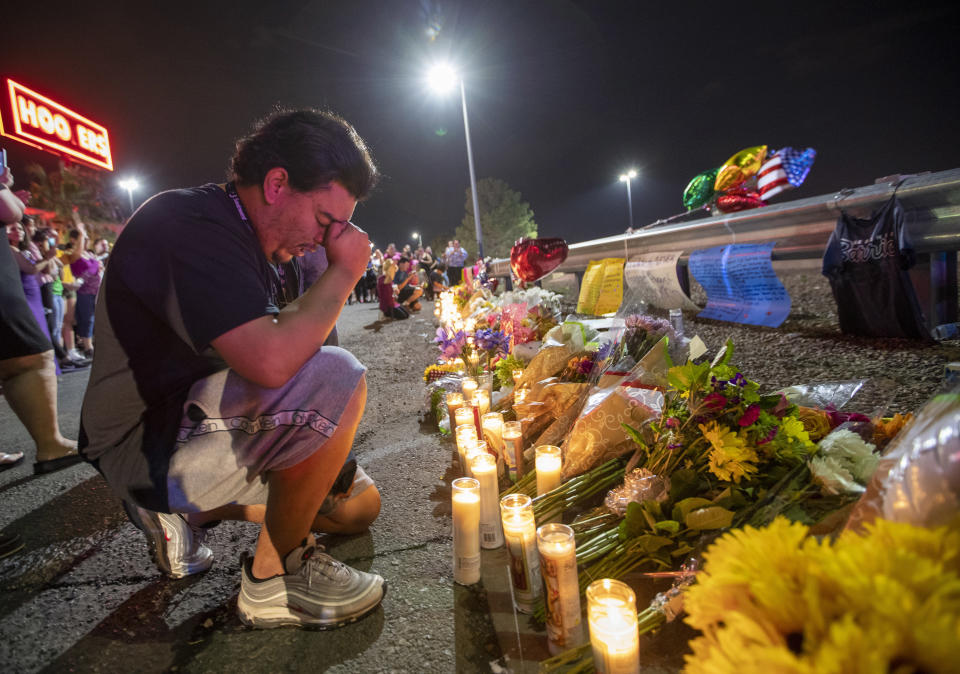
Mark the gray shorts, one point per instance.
(233, 432)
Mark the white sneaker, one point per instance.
(317, 591)
(176, 545)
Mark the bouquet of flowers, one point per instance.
(776, 599)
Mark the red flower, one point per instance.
(715, 401)
(750, 416)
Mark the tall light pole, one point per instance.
(130, 184)
(442, 78)
(626, 178)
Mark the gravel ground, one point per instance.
(808, 348)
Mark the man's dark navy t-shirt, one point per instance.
(185, 270)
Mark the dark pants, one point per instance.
(455, 274)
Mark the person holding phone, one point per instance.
(212, 395)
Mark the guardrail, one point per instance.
(801, 229)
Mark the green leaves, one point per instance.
(688, 377)
(681, 508)
(713, 517)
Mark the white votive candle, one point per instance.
(466, 530)
(484, 468)
(469, 387)
(513, 449)
(466, 435)
(548, 463)
(612, 616)
(454, 402)
(520, 535)
(464, 415)
(558, 565)
(482, 398)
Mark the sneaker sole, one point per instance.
(281, 617)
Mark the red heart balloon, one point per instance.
(739, 200)
(532, 259)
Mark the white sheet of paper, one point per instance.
(652, 277)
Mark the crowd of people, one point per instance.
(397, 279)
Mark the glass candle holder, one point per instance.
(548, 460)
(558, 566)
(466, 530)
(520, 535)
(482, 398)
(513, 449)
(484, 469)
(491, 424)
(463, 415)
(474, 360)
(485, 381)
(612, 616)
(517, 376)
(470, 450)
(469, 386)
(466, 435)
(454, 402)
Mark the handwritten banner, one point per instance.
(652, 277)
(741, 285)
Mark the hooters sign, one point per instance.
(36, 120)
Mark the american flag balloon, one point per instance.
(787, 168)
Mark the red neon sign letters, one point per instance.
(46, 124)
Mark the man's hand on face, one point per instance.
(347, 247)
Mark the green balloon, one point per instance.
(700, 190)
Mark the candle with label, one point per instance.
(466, 530)
(484, 467)
(513, 449)
(454, 402)
(558, 565)
(612, 616)
(520, 535)
(492, 425)
(548, 463)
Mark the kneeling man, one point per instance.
(212, 395)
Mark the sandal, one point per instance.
(53, 465)
(10, 459)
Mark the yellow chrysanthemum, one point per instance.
(770, 600)
(730, 457)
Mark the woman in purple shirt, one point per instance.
(88, 270)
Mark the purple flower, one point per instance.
(718, 384)
(492, 340)
(739, 379)
(672, 422)
(675, 445)
(451, 346)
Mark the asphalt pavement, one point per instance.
(84, 596)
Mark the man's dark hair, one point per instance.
(403, 259)
(315, 147)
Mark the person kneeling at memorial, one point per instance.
(212, 395)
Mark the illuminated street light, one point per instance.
(626, 178)
(442, 78)
(130, 184)
(419, 239)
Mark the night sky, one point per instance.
(563, 96)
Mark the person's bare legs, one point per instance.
(297, 493)
(351, 516)
(30, 386)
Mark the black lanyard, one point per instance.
(278, 270)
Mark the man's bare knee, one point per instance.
(11, 367)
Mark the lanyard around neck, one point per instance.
(231, 191)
